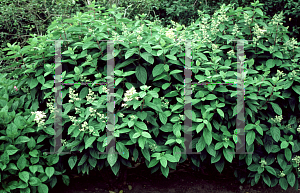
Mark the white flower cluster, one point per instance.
(231, 54)
(73, 96)
(277, 119)
(258, 32)
(39, 115)
(281, 174)
(263, 163)
(50, 105)
(290, 44)
(165, 102)
(170, 34)
(101, 116)
(214, 46)
(235, 30)
(247, 19)
(277, 19)
(293, 74)
(280, 73)
(90, 97)
(128, 95)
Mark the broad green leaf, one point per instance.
(142, 115)
(165, 171)
(130, 52)
(288, 154)
(259, 130)
(291, 179)
(175, 72)
(122, 150)
(89, 142)
(267, 179)
(284, 144)
(146, 153)
(276, 108)
(199, 127)
(283, 183)
(72, 161)
(33, 83)
(84, 92)
(211, 97)
(170, 158)
(163, 162)
(147, 47)
(148, 57)
(141, 125)
(136, 135)
(250, 137)
(43, 188)
(141, 74)
(158, 69)
(207, 136)
(259, 11)
(163, 118)
(221, 113)
(146, 134)
(171, 57)
(275, 132)
(278, 55)
(21, 163)
(24, 176)
(270, 170)
(112, 157)
(49, 171)
(165, 86)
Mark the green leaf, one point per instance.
(22, 139)
(283, 183)
(228, 155)
(163, 118)
(89, 142)
(112, 156)
(199, 127)
(270, 170)
(177, 153)
(175, 72)
(163, 162)
(21, 163)
(141, 125)
(276, 108)
(146, 134)
(33, 83)
(87, 44)
(202, 56)
(284, 144)
(84, 92)
(146, 153)
(170, 158)
(259, 130)
(159, 52)
(288, 154)
(147, 47)
(211, 97)
(43, 188)
(158, 69)
(77, 70)
(153, 162)
(275, 132)
(34, 181)
(267, 179)
(24, 176)
(148, 57)
(270, 63)
(165, 171)
(171, 57)
(72, 161)
(122, 150)
(49, 171)
(259, 11)
(136, 135)
(41, 79)
(221, 113)
(278, 55)
(141, 74)
(165, 86)
(66, 179)
(142, 115)
(250, 137)
(291, 179)
(130, 52)
(207, 136)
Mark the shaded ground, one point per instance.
(181, 180)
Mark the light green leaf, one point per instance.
(163, 162)
(207, 136)
(171, 57)
(158, 69)
(276, 108)
(284, 144)
(148, 57)
(130, 52)
(147, 47)
(165, 171)
(142, 115)
(49, 171)
(24, 176)
(175, 72)
(159, 52)
(141, 74)
(250, 137)
(89, 142)
(163, 118)
(112, 157)
(43, 188)
(221, 113)
(146, 134)
(259, 11)
(291, 179)
(141, 125)
(122, 150)
(210, 97)
(275, 132)
(165, 86)
(136, 135)
(199, 127)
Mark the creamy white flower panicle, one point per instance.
(39, 115)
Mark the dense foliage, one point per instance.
(149, 120)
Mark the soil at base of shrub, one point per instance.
(182, 180)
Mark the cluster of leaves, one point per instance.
(148, 53)
(24, 166)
